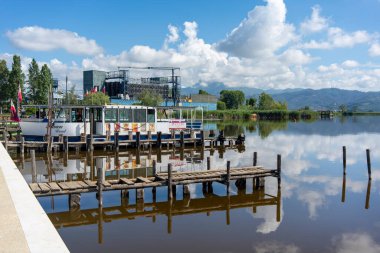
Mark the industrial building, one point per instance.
(129, 82)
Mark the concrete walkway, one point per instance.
(24, 225)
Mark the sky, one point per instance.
(266, 44)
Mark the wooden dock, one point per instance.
(160, 179)
(91, 142)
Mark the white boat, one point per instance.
(75, 121)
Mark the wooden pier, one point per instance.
(169, 179)
(91, 142)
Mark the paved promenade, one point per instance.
(24, 225)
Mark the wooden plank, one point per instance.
(44, 187)
(106, 184)
(63, 186)
(92, 184)
(126, 181)
(83, 184)
(73, 185)
(35, 188)
(54, 187)
(143, 179)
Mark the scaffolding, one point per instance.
(132, 81)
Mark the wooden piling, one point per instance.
(65, 143)
(367, 198)
(22, 145)
(344, 159)
(34, 166)
(116, 141)
(100, 186)
(92, 122)
(278, 164)
(344, 189)
(138, 140)
(369, 163)
(254, 158)
(228, 176)
(170, 182)
(182, 139)
(74, 201)
(159, 140)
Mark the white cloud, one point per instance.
(262, 33)
(43, 39)
(276, 247)
(374, 50)
(295, 57)
(338, 38)
(356, 242)
(350, 64)
(315, 23)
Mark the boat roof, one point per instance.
(88, 106)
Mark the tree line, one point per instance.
(235, 99)
(39, 81)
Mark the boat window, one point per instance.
(111, 115)
(139, 115)
(98, 115)
(125, 115)
(151, 115)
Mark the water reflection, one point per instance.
(321, 209)
(133, 209)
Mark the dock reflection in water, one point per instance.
(186, 206)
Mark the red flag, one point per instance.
(104, 89)
(14, 115)
(19, 94)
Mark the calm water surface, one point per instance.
(316, 209)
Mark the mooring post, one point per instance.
(138, 140)
(65, 143)
(154, 167)
(5, 136)
(74, 201)
(228, 176)
(202, 138)
(116, 141)
(34, 166)
(344, 189)
(91, 130)
(255, 158)
(278, 164)
(150, 138)
(344, 159)
(182, 139)
(368, 194)
(369, 163)
(22, 145)
(170, 182)
(159, 142)
(100, 186)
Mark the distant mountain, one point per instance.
(331, 99)
(322, 99)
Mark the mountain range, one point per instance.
(322, 99)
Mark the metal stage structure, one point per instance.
(130, 82)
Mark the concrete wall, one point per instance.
(31, 229)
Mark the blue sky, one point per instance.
(262, 44)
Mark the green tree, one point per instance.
(221, 105)
(266, 102)
(203, 92)
(98, 98)
(343, 108)
(34, 81)
(232, 98)
(16, 78)
(251, 102)
(150, 99)
(44, 83)
(4, 81)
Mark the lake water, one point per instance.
(316, 209)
